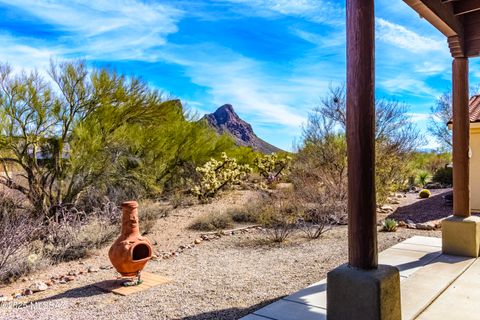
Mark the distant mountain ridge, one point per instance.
(226, 120)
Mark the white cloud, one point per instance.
(407, 84)
(25, 53)
(418, 117)
(333, 39)
(114, 30)
(233, 78)
(404, 38)
(431, 68)
(319, 11)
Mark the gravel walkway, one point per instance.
(219, 279)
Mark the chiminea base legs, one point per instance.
(133, 281)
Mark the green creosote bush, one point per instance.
(389, 225)
(216, 175)
(424, 194)
(213, 221)
(443, 176)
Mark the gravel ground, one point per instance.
(423, 210)
(219, 279)
(225, 278)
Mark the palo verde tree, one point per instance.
(93, 129)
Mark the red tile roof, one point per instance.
(474, 107)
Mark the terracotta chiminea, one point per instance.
(130, 252)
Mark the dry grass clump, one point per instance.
(17, 230)
(149, 212)
(212, 221)
(246, 214)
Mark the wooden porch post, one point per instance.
(461, 138)
(362, 289)
(362, 231)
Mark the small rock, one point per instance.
(181, 247)
(68, 278)
(401, 196)
(198, 241)
(38, 286)
(16, 295)
(49, 283)
(5, 298)
(425, 226)
(402, 223)
(27, 292)
(395, 201)
(92, 269)
(73, 273)
(106, 267)
(409, 221)
(386, 207)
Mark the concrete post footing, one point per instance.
(354, 293)
(461, 236)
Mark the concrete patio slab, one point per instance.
(407, 261)
(289, 310)
(433, 285)
(314, 295)
(254, 317)
(426, 241)
(462, 296)
(416, 247)
(425, 285)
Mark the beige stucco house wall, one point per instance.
(475, 165)
(474, 110)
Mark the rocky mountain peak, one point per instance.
(226, 120)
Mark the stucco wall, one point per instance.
(475, 166)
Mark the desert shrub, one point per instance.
(182, 199)
(74, 233)
(272, 166)
(212, 221)
(424, 194)
(246, 214)
(279, 215)
(148, 214)
(324, 143)
(422, 178)
(443, 176)
(17, 229)
(389, 225)
(218, 175)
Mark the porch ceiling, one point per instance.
(458, 20)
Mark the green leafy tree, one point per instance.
(94, 129)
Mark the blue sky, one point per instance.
(272, 60)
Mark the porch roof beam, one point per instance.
(440, 15)
(465, 6)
